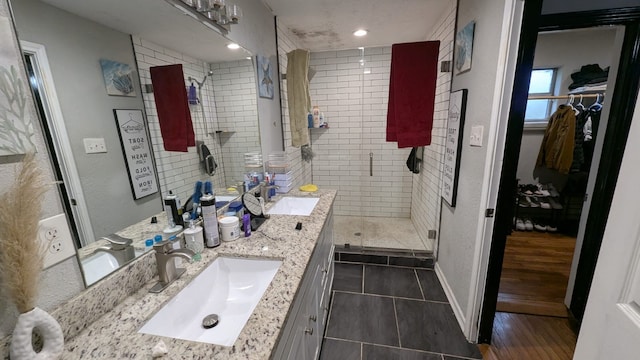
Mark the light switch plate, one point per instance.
(55, 237)
(94, 145)
(476, 135)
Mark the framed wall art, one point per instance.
(17, 111)
(265, 77)
(118, 78)
(464, 48)
(453, 146)
(137, 152)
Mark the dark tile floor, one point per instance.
(391, 313)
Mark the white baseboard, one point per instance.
(457, 310)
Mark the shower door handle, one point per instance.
(370, 164)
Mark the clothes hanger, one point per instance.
(597, 106)
(581, 106)
(570, 103)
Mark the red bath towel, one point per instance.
(412, 92)
(170, 93)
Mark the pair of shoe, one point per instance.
(524, 225)
(547, 228)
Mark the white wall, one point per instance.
(234, 86)
(567, 51)
(354, 104)
(301, 170)
(461, 231)
(74, 48)
(426, 196)
(178, 171)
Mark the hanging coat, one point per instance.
(556, 150)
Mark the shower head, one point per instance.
(200, 83)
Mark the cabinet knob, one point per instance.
(313, 318)
(325, 271)
(308, 331)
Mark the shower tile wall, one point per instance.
(353, 97)
(301, 170)
(238, 114)
(425, 204)
(174, 166)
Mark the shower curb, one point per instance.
(381, 256)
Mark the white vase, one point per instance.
(49, 330)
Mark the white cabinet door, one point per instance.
(611, 324)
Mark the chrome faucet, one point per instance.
(167, 271)
(265, 189)
(119, 247)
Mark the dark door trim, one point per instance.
(622, 106)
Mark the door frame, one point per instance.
(622, 105)
(61, 144)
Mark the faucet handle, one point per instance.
(118, 242)
(162, 247)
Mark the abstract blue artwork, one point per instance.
(265, 77)
(464, 48)
(117, 78)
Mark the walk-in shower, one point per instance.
(373, 206)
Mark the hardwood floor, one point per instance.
(535, 272)
(531, 322)
(524, 337)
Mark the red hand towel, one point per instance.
(412, 92)
(170, 94)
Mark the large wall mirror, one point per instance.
(69, 47)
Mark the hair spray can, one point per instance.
(210, 220)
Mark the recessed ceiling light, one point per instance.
(360, 32)
(233, 46)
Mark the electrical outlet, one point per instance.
(56, 238)
(94, 145)
(476, 135)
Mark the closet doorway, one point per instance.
(577, 206)
(562, 125)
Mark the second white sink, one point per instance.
(229, 287)
(294, 206)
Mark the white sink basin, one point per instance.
(294, 206)
(100, 264)
(229, 287)
(227, 198)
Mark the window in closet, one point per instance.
(542, 83)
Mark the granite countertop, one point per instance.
(115, 334)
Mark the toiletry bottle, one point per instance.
(194, 239)
(210, 220)
(169, 206)
(316, 117)
(246, 224)
(173, 209)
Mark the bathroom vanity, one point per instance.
(287, 323)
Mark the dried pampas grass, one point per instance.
(21, 253)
